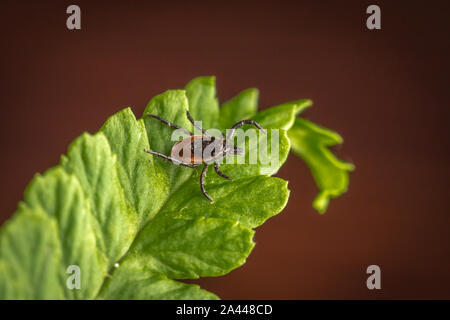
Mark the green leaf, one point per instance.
(52, 230)
(30, 257)
(228, 198)
(243, 106)
(134, 226)
(172, 106)
(215, 247)
(134, 223)
(130, 281)
(259, 158)
(203, 104)
(117, 220)
(127, 139)
(311, 142)
(279, 119)
(282, 116)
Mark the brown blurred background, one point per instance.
(383, 91)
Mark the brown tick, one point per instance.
(204, 149)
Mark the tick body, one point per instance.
(205, 150)
(198, 147)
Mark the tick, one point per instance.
(204, 149)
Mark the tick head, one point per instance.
(236, 150)
(232, 149)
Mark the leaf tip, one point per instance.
(321, 202)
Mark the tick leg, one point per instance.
(195, 125)
(171, 159)
(170, 124)
(240, 124)
(202, 182)
(220, 173)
